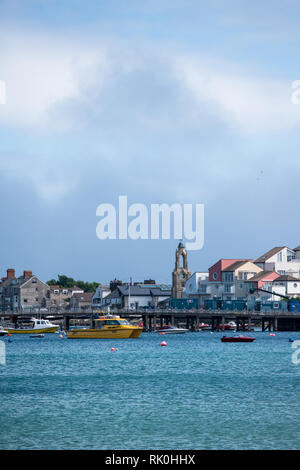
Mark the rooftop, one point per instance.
(260, 276)
(286, 277)
(269, 254)
(237, 264)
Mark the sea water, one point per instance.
(194, 393)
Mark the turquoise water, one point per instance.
(195, 393)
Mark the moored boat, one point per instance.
(204, 327)
(108, 327)
(3, 332)
(237, 339)
(33, 326)
(231, 325)
(168, 329)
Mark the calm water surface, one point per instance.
(196, 393)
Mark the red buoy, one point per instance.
(163, 343)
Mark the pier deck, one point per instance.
(216, 319)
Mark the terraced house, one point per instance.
(22, 293)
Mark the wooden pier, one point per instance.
(245, 320)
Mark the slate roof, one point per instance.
(236, 265)
(260, 276)
(286, 277)
(269, 254)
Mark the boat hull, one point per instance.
(20, 331)
(111, 333)
(233, 339)
(172, 332)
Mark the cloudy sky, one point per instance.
(181, 101)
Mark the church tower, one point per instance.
(181, 272)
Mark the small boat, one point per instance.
(41, 335)
(108, 327)
(228, 326)
(204, 327)
(34, 326)
(3, 332)
(168, 329)
(237, 339)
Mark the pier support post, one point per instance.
(67, 322)
(275, 324)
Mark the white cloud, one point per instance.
(49, 78)
(246, 102)
(40, 72)
(123, 98)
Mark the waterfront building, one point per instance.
(281, 259)
(23, 293)
(286, 285)
(101, 293)
(263, 280)
(227, 279)
(61, 296)
(82, 301)
(137, 296)
(198, 286)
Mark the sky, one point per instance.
(183, 102)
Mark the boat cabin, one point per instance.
(110, 322)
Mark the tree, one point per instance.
(67, 282)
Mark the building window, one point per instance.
(295, 285)
(279, 257)
(56, 291)
(215, 276)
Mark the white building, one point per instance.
(281, 259)
(100, 294)
(286, 285)
(198, 286)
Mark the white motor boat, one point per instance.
(3, 332)
(34, 326)
(168, 329)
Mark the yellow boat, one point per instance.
(34, 326)
(109, 327)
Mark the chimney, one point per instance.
(27, 274)
(10, 273)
